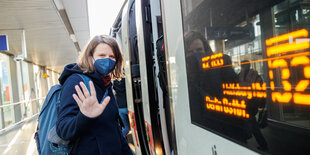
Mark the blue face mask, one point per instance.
(104, 66)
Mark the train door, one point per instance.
(133, 80)
(148, 77)
(165, 109)
(128, 78)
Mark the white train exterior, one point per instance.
(212, 108)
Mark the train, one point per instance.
(216, 76)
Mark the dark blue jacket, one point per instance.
(100, 135)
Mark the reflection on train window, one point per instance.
(248, 70)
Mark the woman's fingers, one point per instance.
(79, 92)
(77, 100)
(105, 102)
(92, 88)
(85, 90)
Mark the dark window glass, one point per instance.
(248, 71)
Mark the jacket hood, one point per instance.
(74, 68)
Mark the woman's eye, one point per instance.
(112, 56)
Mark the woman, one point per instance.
(87, 118)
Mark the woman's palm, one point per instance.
(88, 102)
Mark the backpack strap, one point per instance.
(86, 80)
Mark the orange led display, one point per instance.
(234, 107)
(236, 86)
(285, 73)
(215, 56)
(302, 85)
(295, 34)
(236, 112)
(205, 65)
(247, 94)
(270, 58)
(213, 101)
(278, 63)
(205, 58)
(259, 86)
(271, 75)
(287, 47)
(214, 60)
(301, 99)
(234, 89)
(285, 64)
(307, 72)
(272, 85)
(301, 60)
(281, 97)
(287, 86)
(235, 103)
(216, 63)
(281, 75)
(214, 107)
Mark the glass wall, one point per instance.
(248, 71)
(50, 78)
(26, 106)
(53, 77)
(40, 84)
(37, 84)
(36, 75)
(6, 113)
(4, 79)
(26, 88)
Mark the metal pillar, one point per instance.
(15, 76)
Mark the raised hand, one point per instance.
(88, 102)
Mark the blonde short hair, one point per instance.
(85, 60)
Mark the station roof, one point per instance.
(55, 30)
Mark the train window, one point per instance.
(248, 70)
